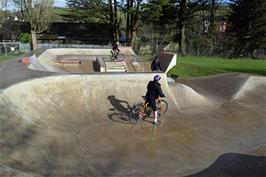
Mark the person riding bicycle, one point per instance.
(115, 51)
(154, 92)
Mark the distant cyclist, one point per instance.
(115, 51)
(154, 91)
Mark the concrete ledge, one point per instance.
(69, 61)
(167, 60)
(101, 64)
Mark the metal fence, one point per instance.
(7, 48)
(58, 45)
(198, 50)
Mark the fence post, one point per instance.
(20, 46)
(5, 49)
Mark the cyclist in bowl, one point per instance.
(154, 91)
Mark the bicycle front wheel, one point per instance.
(120, 57)
(134, 114)
(162, 108)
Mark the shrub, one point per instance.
(24, 37)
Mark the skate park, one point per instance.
(64, 113)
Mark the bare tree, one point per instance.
(112, 21)
(3, 4)
(116, 25)
(38, 14)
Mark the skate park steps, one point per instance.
(115, 67)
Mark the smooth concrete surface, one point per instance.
(77, 125)
(13, 71)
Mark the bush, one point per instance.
(24, 38)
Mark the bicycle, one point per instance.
(142, 110)
(117, 56)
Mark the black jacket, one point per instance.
(154, 91)
(156, 66)
(115, 47)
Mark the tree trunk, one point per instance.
(116, 35)
(181, 16)
(133, 39)
(111, 20)
(34, 44)
(127, 25)
(238, 50)
(212, 16)
(131, 25)
(157, 42)
(153, 45)
(181, 39)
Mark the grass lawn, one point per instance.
(6, 57)
(187, 67)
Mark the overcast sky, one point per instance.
(59, 3)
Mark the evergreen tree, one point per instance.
(247, 26)
(186, 9)
(88, 11)
(133, 11)
(155, 21)
(95, 11)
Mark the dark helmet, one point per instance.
(156, 77)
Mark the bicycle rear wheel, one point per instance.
(162, 108)
(134, 114)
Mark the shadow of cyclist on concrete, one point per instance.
(120, 110)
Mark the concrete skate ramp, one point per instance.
(187, 98)
(83, 94)
(73, 60)
(76, 60)
(53, 59)
(254, 87)
(76, 125)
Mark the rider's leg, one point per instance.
(154, 108)
(116, 55)
(155, 116)
(113, 55)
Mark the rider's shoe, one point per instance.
(156, 123)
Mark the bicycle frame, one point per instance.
(114, 54)
(147, 108)
(142, 111)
